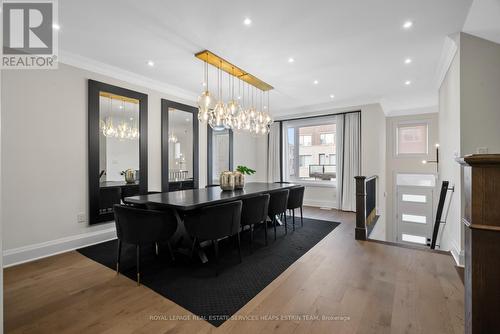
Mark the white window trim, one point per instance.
(395, 138)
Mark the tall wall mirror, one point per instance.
(220, 154)
(117, 119)
(179, 146)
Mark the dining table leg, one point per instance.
(183, 243)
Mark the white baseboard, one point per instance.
(320, 204)
(29, 253)
(458, 256)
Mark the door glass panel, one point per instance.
(414, 238)
(414, 218)
(180, 145)
(419, 180)
(414, 198)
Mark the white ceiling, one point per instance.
(483, 20)
(354, 48)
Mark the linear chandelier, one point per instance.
(246, 112)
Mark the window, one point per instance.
(305, 160)
(414, 218)
(309, 150)
(305, 140)
(414, 198)
(326, 138)
(411, 139)
(414, 238)
(322, 158)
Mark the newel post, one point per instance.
(360, 232)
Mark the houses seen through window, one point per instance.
(310, 151)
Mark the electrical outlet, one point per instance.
(482, 150)
(81, 218)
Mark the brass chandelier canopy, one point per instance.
(241, 113)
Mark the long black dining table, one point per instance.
(183, 201)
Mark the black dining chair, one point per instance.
(277, 206)
(253, 212)
(213, 223)
(141, 227)
(295, 201)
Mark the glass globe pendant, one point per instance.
(217, 117)
(205, 100)
(205, 104)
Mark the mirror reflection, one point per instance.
(180, 145)
(220, 154)
(118, 149)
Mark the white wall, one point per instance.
(449, 140)
(44, 159)
(373, 159)
(479, 94)
(410, 164)
(469, 117)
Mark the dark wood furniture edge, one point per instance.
(490, 228)
(479, 160)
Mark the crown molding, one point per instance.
(450, 49)
(118, 73)
(322, 108)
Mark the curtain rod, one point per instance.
(317, 116)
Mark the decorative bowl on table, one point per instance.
(239, 180)
(226, 181)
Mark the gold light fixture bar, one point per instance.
(234, 70)
(118, 97)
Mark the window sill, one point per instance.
(314, 184)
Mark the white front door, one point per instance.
(414, 214)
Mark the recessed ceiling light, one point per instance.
(407, 24)
(247, 21)
(131, 118)
(407, 82)
(56, 26)
(408, 61)
(204, 84)
(121, 107)
(315, 82)
(332, 96)
(291, 60)
(187, 119)
(151, 63)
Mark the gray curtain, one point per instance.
(348, 159)
(273, 153)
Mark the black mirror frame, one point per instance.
(210, 153)
(165, 105)
(94, 87)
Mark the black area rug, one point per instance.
(195, 287)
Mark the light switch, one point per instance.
(482, 150)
